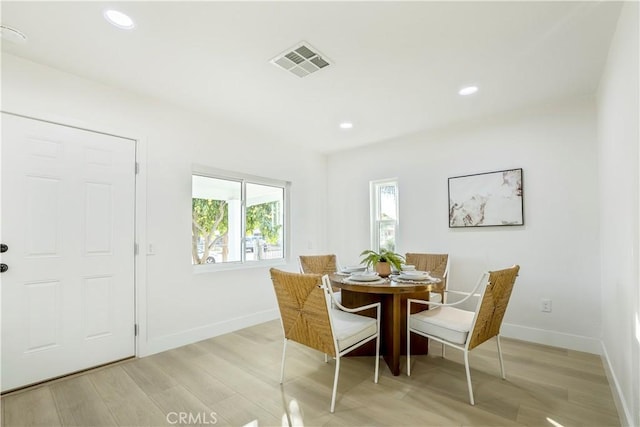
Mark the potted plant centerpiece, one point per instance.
(382, 261)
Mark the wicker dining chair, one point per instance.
(318, 264)
(464, 329)
(309, 319)
(321, 264)
(437, 265)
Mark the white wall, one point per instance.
(176, 305)
(618, 116)
(577, 180)
(557, 248)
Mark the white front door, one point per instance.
(67, 217)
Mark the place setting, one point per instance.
(353, 269)
(363, 276)
(409, 274)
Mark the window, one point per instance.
(236, 218)
(384, 214)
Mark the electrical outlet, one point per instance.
(545, 305)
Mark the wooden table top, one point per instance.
(389, 286)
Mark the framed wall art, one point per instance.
(486, 199)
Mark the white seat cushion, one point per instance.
(435, 297)
(351, 328)
(448, 323)
(336, 295)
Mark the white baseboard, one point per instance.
(552, 338)
(623, 411)
(167, 342)
(524, 333)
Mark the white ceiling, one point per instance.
(396, 66)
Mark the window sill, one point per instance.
(231, 266)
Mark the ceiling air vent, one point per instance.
(301, 60)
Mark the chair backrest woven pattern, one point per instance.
(303, 308)
(318, 264)
(493, 305)
(435, 263)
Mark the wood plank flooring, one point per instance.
(233, 380)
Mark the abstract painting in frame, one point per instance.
(486, 199)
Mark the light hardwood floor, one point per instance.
(234, 380)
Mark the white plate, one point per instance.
(364, 277)
(414, 275)
(353, 269)
(415, 272)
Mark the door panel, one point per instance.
(68, 199)
(43, 308)
(42, 199)
(98, 222)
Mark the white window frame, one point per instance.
(375, 213)
(245, 179)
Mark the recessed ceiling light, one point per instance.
(469, 90)
(12, 34)
(119, 19)
(346, 125)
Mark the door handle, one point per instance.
(3, 267)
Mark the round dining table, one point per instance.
(392, 293)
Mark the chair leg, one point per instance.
(409, 351)
(443, 347)
(335, 384)
(375, 378)
(284, 352)
(466, 367)
(504, 376)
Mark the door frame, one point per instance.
(140, 207)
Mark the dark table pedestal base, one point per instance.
(393, 339)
